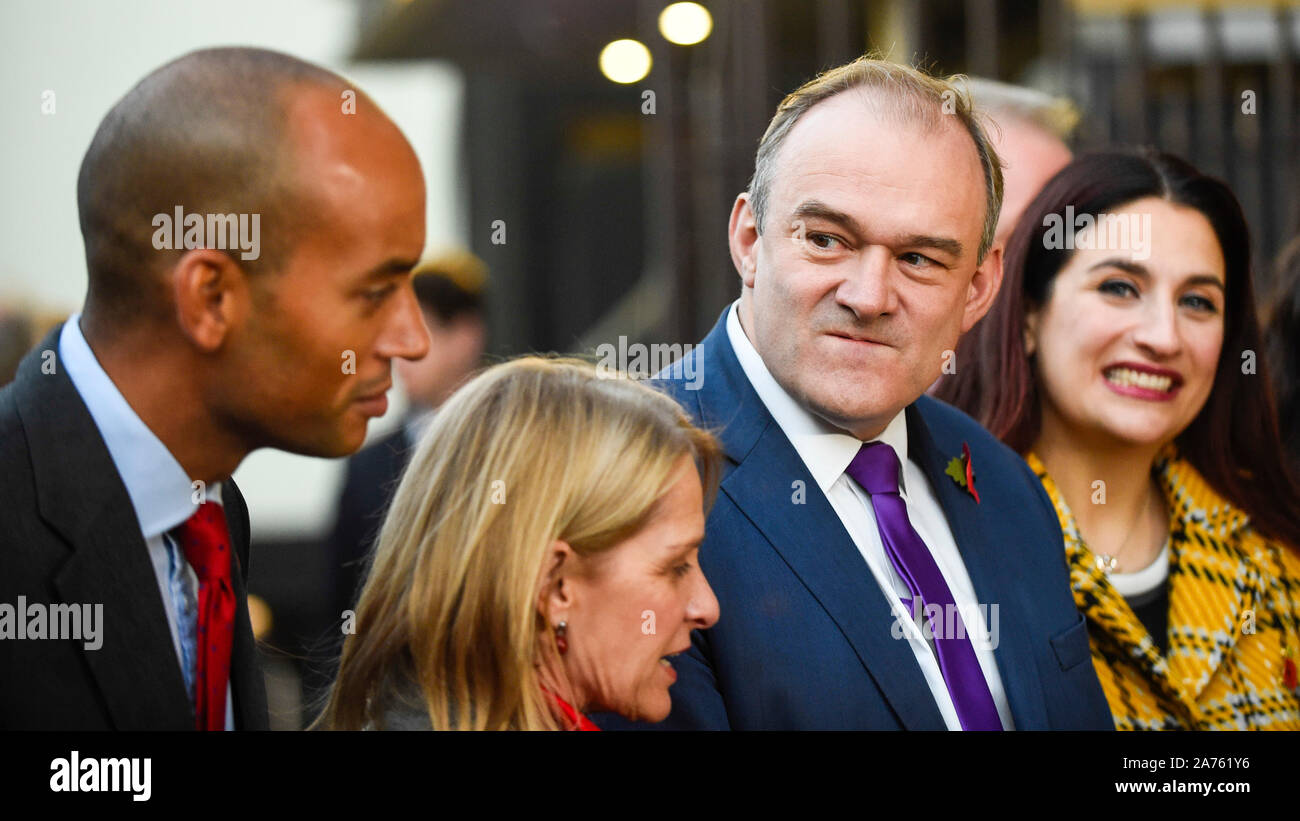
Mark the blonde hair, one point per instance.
(910, 95)
(530, 451)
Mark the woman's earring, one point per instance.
(561, 637)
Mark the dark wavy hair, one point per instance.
(1234, 442)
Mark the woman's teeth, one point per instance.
(1132, 378)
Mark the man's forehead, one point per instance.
(844, 151)
(319, 128)
(852, 128)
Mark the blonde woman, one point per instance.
(539, 560)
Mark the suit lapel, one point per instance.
(818, 550)
(248, 687)
(988, 547)
(809, 537)
(81, 496)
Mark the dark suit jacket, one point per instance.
(804, 637)
(69, 535)
(371, 477)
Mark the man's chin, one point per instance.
(344, 440)
(862, 418)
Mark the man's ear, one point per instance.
(742, 238)
(211, 293)
(984, 286)
(555, 595)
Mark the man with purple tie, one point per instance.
(880, 560)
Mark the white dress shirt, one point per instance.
(827, 452)
(160, 492)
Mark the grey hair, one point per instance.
(1055, 115)
(910, 95)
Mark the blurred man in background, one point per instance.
(450, 291)
(1030, 131)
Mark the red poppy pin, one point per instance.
(962, 471)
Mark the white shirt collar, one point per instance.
(825, 449)
(160, 492)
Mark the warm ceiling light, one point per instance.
(625, 61)
(685, 23)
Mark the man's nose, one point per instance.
(866, 289)
(405, 336)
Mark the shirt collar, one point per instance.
(825, 449)
(161, 493)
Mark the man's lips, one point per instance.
(375, 394)
(852, 337)
(375, 403)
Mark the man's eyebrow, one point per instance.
(817, 209)
(946, 244)
(390, 268)
(820, 210)
(1140, 271)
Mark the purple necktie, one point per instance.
(875, 467)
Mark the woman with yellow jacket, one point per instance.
(1123, 361)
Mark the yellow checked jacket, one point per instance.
(1234, 600)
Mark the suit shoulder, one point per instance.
(15, 454)
(951, 424)
(9, 421)
(679, 382)
(948, 422)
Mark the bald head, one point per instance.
(210, 133)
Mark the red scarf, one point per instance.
(574, 717)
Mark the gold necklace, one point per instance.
(1108, 563)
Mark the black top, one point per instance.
(1152, 608)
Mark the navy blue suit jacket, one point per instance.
(804, 639)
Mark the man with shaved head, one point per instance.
(250, 223)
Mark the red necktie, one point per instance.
(206, 542)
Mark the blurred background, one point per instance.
(581, 159)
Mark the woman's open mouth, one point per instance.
(1143, 383)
